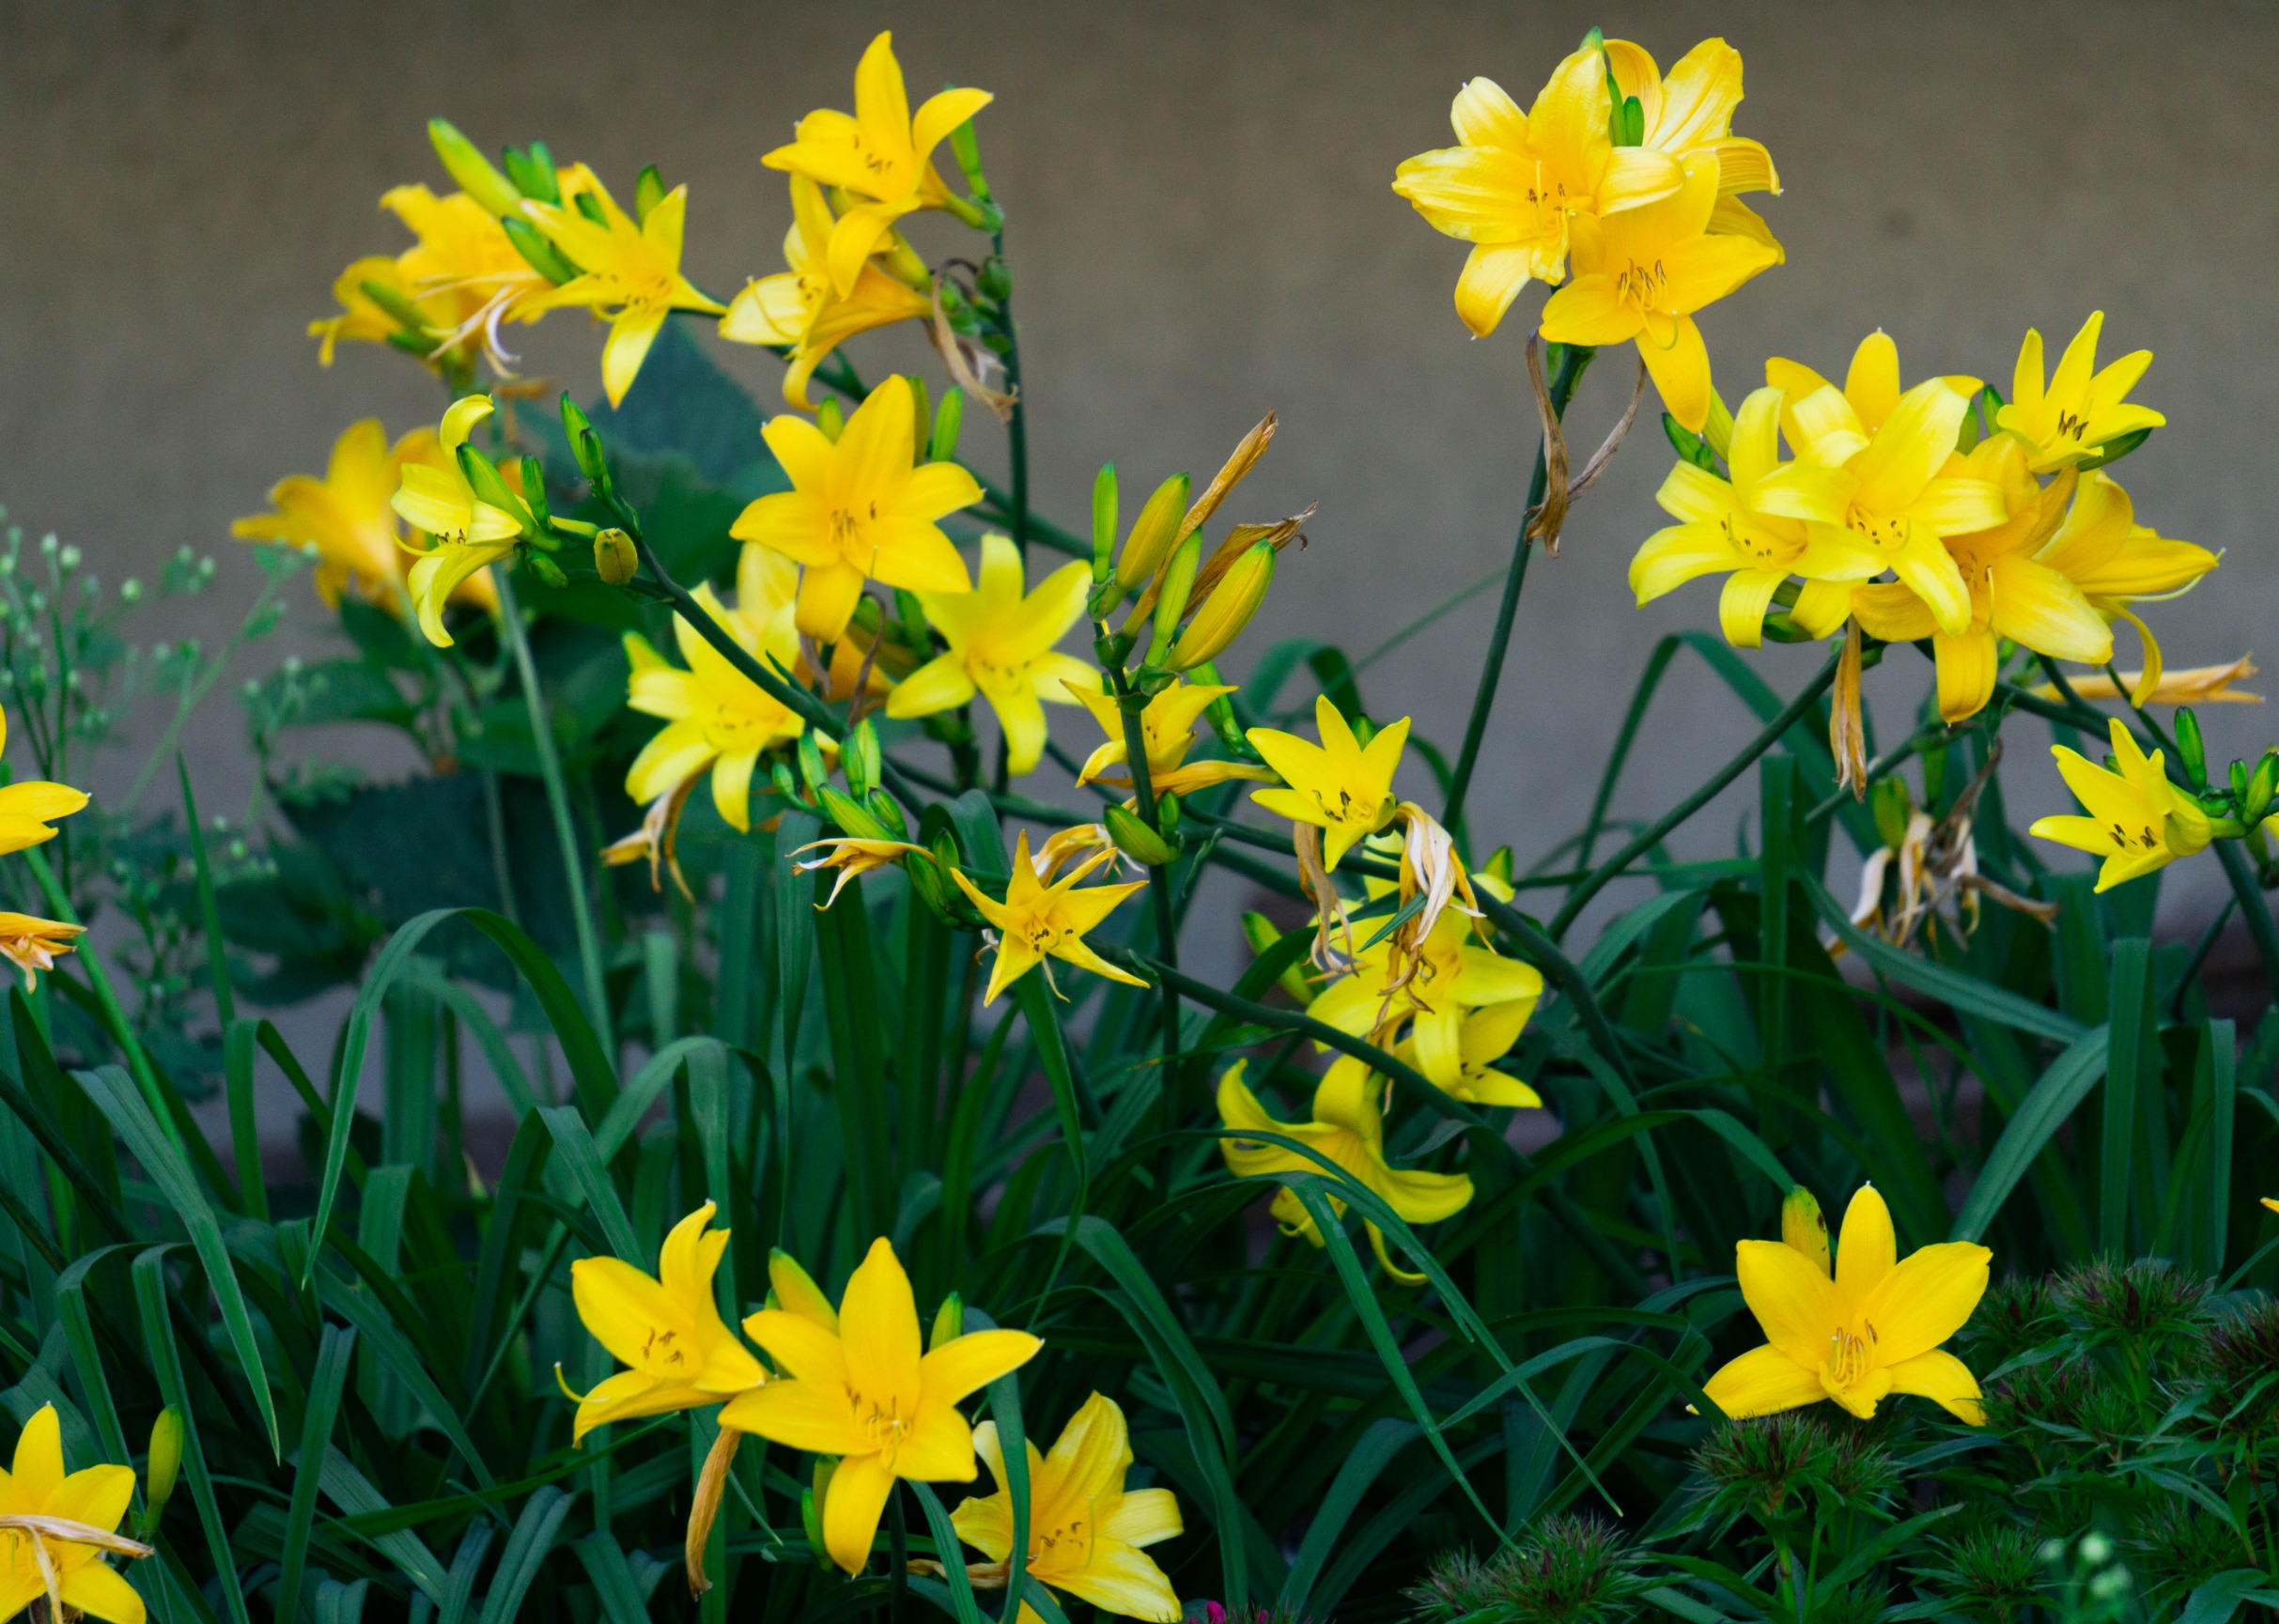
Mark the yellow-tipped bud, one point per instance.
(1802, 1227)
(949, 1322)
(615, 558)
(164, 1467)
(797, 1292)
(1173, 589)
(474, 173)
(1228, 610)
(1152, 534)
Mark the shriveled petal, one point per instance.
(1762, 1382)
(1944, 1379)
(1793, 1301)
(1926, 1299)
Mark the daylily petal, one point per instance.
(1939, 1376)
(1866, 1246)
(1793, 1301)
(851, 1509)
(1762, 1382)
(1926, 1298)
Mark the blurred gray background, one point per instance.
(1201, 227)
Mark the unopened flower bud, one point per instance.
(585, 445)
(2191, 751)
(949, 417)
(1893, 808)
(811, 770)
(1142, 844)
(1150, 540)
(546, 570)
(165, 1464)
(1177, 581)
(1104, 523)
(648, 191)
(831, 419)
(538, 251)
(852, 815)
(1228, 610)
(2262, 785)
(614, 557)
(859, 759)
(474, 173)
(1803, 1228)
(949, 1322)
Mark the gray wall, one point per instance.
(1202, 228)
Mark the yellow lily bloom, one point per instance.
(348, 517)
(59, 1558)
(470, 535)
(1770, 520)
(1348, 1130)
(859, 508)
(801, 309)
(33, 944)
(1085, 1528)
(1467, 1072)
(2138, 821)
(866, 1393)
(1516, 181)
(883, 154)
(1002, 647)
(1340, 786)
(1869, 1328)
(2117, 560)
(1454, 973)
(2015, 593)
(1909, 489)
(360, 318)
(463, 276)
(29, 808)
(2072, 417)
(717, 716)
(667, 1329)
(1642, 273)
(629, 274)
(853, 856)
(1037, 921)
(1167, 728)
(1690, 113)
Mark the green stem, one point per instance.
(194, 694)
(557, 800)
(1159, 890)
(1572, 362)
(1653, 834)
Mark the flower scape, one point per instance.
(831, 857)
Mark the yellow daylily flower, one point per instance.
(462, 276)
(1166, 727)
(1909, 489)
(1870, 1328)
(2116, 560)
(470, 535)
(1037, 922)
(29, 809)
(884, 154)
(859, 508)
(2073, 415)
(58, 1528)
(1348, 1130)
(1516, 181)
(717, 716)
(629, 274)
(2270, 1201)
(1642, 273)
(1454, 973)
(2014, 590)
(1467, 1072)
(1340, 786)
(360, 318)
(1086, 1530)
(33, 944)
(350, 519)
(1002, 647)
(853, 856)
(865, 1392)
(801, 309)
(2138, 820)
(1691, 113)
(667, 1329)
(1770, 520)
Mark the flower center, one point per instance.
(1851, 1357)
(885, 1424)
(2147, 837)
(1887, 530)
(1067, 1547)
(1641, 285)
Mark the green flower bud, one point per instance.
(1177, 581)
(165, 1464)
(585, 445)
(1893, 808)
(922, 409)
(811, 1511)
(949, 1322)
(831, 419)
(541, 254)
(852, 815)
(1228, 610)
(948, 418)
(2191, 751)
(1104, 523)
(1151, 535)
(490, 487)
(1136, 841)
(474, 173)
(546, 570)
(648, 191)
(859, 759)
(1262, 934)
(1167, 815)
(615, 558)
(2262, 785)
(811, 770)
(533, 172)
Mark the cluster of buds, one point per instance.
(1188, 608)
(2241, 805)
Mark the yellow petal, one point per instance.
(1967, 667)
(807, 1415)
(852, 1507)
(1945, 1379)
(1925, 1299)
(1866, 1245)
(101, 1592)
(878, 1328)
(1762, 1382)
(969, 1363)
(1793, 1301)
(1872, 385)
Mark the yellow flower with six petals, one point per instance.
(1037, 922)
(866, 1392)
(857, 508)
(59, 1558)
(1002, 647)
(884, 154)
(1167, 732)
(1869, 1326)
(470, 535)
(1347, 1130)
(2072, 417)
(2138, 820)
(1086, 1530)
(1467, 1070)
(1454, 973)
(1339, 786)
(629, 274)
(666, 1329)
(2116, 560)
(1690, 113)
